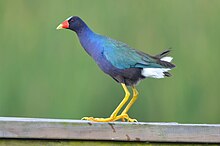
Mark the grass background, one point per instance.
(46, 73)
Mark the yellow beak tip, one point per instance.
(60, 26)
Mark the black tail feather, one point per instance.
(164, 63)
(163, 54)
(167, 74)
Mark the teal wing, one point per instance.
(122, 56)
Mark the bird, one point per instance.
(126, 65)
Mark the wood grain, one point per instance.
(37, 128)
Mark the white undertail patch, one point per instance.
(154, 72)
(167, 59)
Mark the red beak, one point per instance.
(63, 25)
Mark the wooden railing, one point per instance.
(37, 131)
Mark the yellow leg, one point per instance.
(134, 98)
(127, 94)
(113, 116)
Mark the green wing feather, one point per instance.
(122, 56)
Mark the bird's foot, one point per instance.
(124, 117)
(111, 119)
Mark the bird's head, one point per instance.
(73, 23)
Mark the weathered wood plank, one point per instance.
(116, 131)
(39, 142)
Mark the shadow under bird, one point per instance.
(124, 64)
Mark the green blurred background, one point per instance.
(46, 73)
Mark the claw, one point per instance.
(132, 120)
(87, 118)
(125, 116)
(111, 119)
